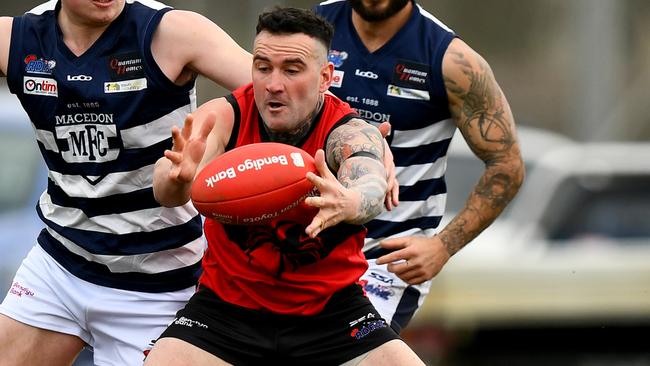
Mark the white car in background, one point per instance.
(573, 247)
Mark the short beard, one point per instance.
(374, 16)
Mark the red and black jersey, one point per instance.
(277, 267)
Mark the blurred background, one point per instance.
(563, 277)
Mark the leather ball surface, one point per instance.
(253, 184)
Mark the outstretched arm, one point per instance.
(483, 116)
(356, 195)
(198, 142)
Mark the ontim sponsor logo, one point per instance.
(40, 86)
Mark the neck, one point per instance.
(296, 135)
(80, 34)
(376, 34)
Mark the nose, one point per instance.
(275, 83)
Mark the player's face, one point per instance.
(377, 10)
(289, 74)
(91, 13)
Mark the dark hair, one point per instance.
(295, 20)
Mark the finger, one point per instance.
(395, 194)
(173, 156)
(208, 125)
(384, 129)
(177, 139)
(392, 257)
(315, 227)
(315, 201)
(321, 165)
(394, 244)
(399, 268)
(187, 127)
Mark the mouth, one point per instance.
(274, 106)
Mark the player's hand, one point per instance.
(335, 203)
(414, 259)
(392, 193)
(187, 151)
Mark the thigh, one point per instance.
(392, 353)
(124, 324)
(394, 299)
(176, 352)
(22, 344)
(349, 326)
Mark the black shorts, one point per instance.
(348, 326)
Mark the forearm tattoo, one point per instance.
(355, 150)
(483, 116)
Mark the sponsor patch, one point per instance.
(40, 86)
(367, 328)
(187, 322)
(18, 290)
(126, 66)
(37, 65)
(407, 93)
(125, 86)
(411, 75)
(337, 78)
(337, 57)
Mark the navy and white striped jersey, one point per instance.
(102, 119)
(400, 83)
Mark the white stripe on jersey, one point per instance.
(147, 220)
(432, 133)
(370, 243)
(409, 175)
(330, 2)
(114, 183)
(149, 3)
(434, 19)
(46, 138)
(155, 131)
(156, 262)
(40, 9)
(433, 206)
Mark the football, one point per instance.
(254, 184)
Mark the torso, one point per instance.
(102, 119)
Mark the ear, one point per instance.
(326, 73)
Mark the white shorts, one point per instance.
(394, 299)
(119, 325)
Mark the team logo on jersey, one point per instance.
(40, 86)
(337, 78)
(408, 74)
(125, 86)
(126, 66)
(337, 57)
(36, 65)
(87, 137)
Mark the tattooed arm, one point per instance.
(481, 112)
(483, 116)
(355, 151)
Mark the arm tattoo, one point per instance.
(356, 150)
(482, 114)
